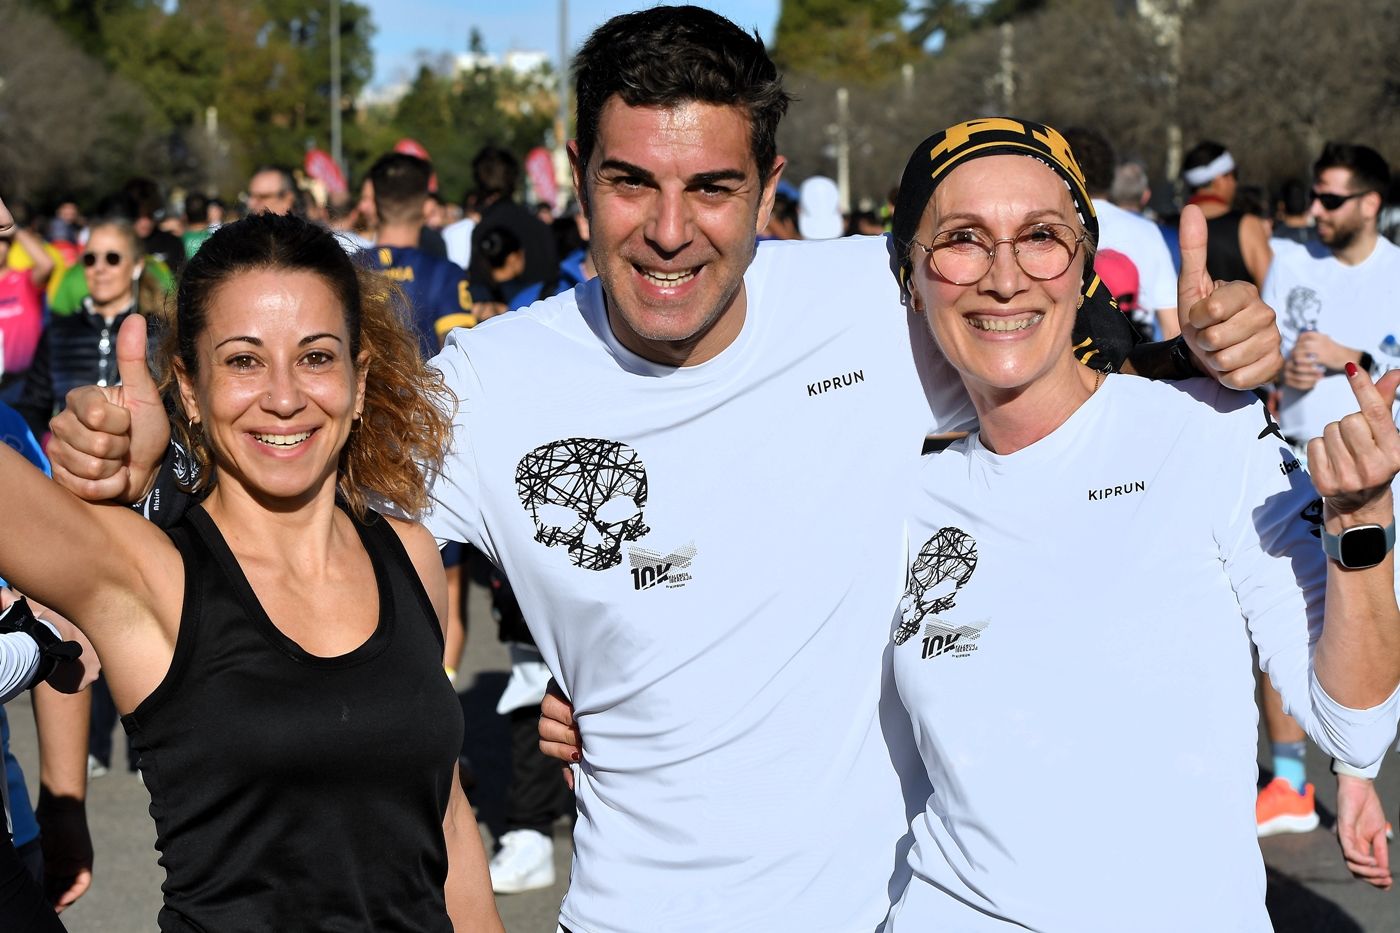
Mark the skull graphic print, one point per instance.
(586, 494)
(945, 563)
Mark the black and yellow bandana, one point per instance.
(1102, 334)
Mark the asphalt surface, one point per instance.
(1310, 890)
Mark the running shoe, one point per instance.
(525, 862)
(1281, 809)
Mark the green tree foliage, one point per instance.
(836, 39)
(454, 113)
(263, 64)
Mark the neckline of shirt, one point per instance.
(593, 306)
(1055, 444)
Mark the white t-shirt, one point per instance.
(1357, 306)
(1139, 239)
(1088, 603)
(707, 557)
(458, 239)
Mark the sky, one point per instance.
(403, 27)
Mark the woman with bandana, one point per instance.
(1030, 679)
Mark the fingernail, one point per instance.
(1351, 370)
(575, 756)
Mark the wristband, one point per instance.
(1183, 363)
(1342, 768)
(175, 490)
(1367, 362)
(52, 649)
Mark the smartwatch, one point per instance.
(1359, 547)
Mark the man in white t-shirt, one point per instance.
(694, 471)
(1130, 234)
(1337, 306)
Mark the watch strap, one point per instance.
(1332, 544)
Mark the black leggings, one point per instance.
(22, 902)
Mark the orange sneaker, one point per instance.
(1281, 809)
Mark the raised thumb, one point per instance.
(131, 360)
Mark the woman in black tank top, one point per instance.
(279, 654)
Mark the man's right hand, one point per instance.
(108, 442)
(1361, 830)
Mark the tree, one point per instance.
(835, 39)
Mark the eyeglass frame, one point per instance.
(111, 256)
(1015, 253)
(1322, 197)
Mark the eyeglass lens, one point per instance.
(112, 258)
(1043, 251)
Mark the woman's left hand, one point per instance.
(1354, 461)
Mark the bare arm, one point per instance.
(34, 248)
(61, 721)
(118, 578)
(1357, 660)
(470, 903)
(1254, 245)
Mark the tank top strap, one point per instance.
(384, 543)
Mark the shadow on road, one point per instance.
(1295, 909)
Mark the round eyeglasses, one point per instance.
(963, 256)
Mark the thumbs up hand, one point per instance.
(108, 442)
(1356, 459)
(1230, 331)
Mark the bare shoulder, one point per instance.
(422, 550)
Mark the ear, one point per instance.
(188, 400)
(770, 193)
(1371, 204)
(361, 377)
(576, 170)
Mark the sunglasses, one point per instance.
(1330, 202)
(111, 257)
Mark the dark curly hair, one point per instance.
(405, 427)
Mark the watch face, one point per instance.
(1363, 546)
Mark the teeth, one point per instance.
(283, 440)
(669, 278)
(1001, 324)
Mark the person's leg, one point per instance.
(104, 720)
(22, 903)
(1286, 804)
(537, 795)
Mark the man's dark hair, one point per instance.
(400, 187)
(497, 246)
(1369, 171)
(144, 195)
(672, 55)
(1095, 156)
(1293, 196)
(497, 172)
(196, 208)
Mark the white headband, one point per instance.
(1205, 174)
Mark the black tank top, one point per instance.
(290, 791)
(1224, 258)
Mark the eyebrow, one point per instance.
(257, 342)
(701, 178)
(967, 217)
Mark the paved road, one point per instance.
(1309, 888)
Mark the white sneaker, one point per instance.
(525, 862)
(95, 768)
